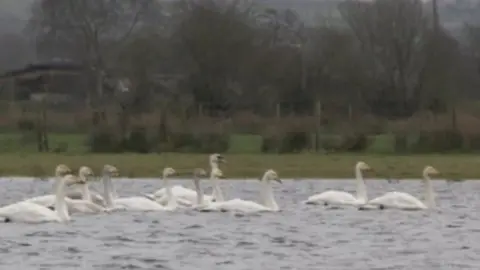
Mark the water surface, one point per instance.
(300, 237)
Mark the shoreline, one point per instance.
(243, 166)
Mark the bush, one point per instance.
(294, 142)
(103, 142)
(439, 141)
(137, 141)
(355, 143)
(200, 142)
(290, 142)
(25, 125)
(472, 142)
(270, 144)
(331, 143)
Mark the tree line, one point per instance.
(387, 59)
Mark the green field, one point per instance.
(247, 165)
(18, 156)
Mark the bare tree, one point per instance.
(88, 31)
(217, 38)
(393, 36)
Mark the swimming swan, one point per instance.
(334, 197)
(28, 212)
(84, 193)
(84, 205)
(239, 205)
(405, 201)
(186, 196)
(60, 171)
(139, 203)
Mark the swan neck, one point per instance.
(86, 192)
(267, 194)
(170, 198)
(361, 188)
(60, 204)
(217, 193)
(199, 191)
(107, 190)
(429, 194)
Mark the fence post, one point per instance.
(318, 116)
(278, 112)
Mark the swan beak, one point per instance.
(279, 180)
(222, 159)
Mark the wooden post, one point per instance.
(318, 115)
(350, 112)
(45, 143)
(278, 111)
(12, 91)
(200, 110)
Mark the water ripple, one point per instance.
(299, 237)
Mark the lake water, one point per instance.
(300, 237)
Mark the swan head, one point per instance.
(168, 172)
(362, 166)
(217, 159)
(85, 172)
(62, 170)
(271, 175)
(429, 170)
(199, 172)
(217, 173)
(110, 170)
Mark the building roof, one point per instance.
(38, 69)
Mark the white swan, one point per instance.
(107, 172)
(200, 202)
(334, 197)
(84, 192)
(84, 205)
(186, 196)
(29, 212)
(139, 203)
(60, 171)
(405, 201)
(239, 205)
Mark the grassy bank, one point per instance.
(248, 165)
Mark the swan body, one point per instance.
(405, 201)
(137, 203)
(400, 200)
(239, 205)
(186, 196)
(74, 206)
(82, 205)
(28, 212)
(96, 198)
(334, 197)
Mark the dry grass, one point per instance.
(240, 166)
